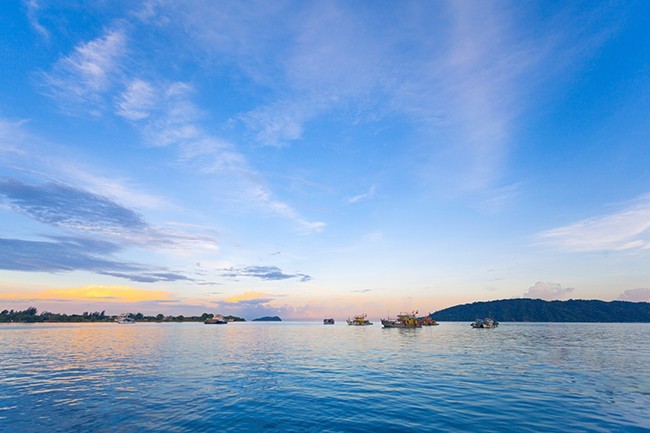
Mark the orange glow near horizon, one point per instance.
(92, 293)
(249, 296)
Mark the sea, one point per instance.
(310, 377)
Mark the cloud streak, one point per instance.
(167, 117)
(71, 208)
(90, 70)
(164, 113)
(93, 216)
(67, 254)
(626, 229)
(268, 273)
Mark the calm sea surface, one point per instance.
(307, 377)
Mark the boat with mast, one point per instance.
(359, 320)
(485, 323)
(404, 320)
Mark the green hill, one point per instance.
(268, 319)
(537, 310)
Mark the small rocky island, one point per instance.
(268, 319)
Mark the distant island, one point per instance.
(31, 315)
(537, 310)
(268, 319)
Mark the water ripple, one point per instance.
(309, 377)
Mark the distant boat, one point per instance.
(124, 319)
(217, 319)
(359, 320)
(485, 323)
(404, 320)
(328, 321)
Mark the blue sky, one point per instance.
(314, 159)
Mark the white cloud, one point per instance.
(20, 148)
(136, 101)
(459, 85)
(635, 295)
(547, 291)
(498, 198)
(13, 138)
(90, 70)
(362, 197)
(168, 117)
(277, 125)
(33, 7)
(626, 229)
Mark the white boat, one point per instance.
(359, 320)
(485, 323)
(404, 320)
(124, 319)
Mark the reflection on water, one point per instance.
(306, 376)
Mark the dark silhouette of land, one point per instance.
(30, 315)
(537, 310)
(505, 310)
(268, 319)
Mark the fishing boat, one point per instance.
(427, 321)
(217, 319)
(328, 321)
(404, 320)
(359, 320)
(485, 323)
(124, 319)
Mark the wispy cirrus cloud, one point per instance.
(168, 117)
(136, 101)
(269, 273)
(82, 211)
(82, 77)
(33, 7)
(60, 255)
(71, 208)
(102, 229)
(362, 197)
(625, 229)
(67, 254)
(461, 89)
(31, 156)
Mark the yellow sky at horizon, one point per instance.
(91, 293)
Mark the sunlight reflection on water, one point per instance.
(305, 376)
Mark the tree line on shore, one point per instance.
(31, 315)
(537, 310)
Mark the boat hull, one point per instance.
(485, 323)
(360, 320)
(397, 324)
(353, 323)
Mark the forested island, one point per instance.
(268, 319)
(537, 310)
(31, 315)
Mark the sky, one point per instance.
(314, 159)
